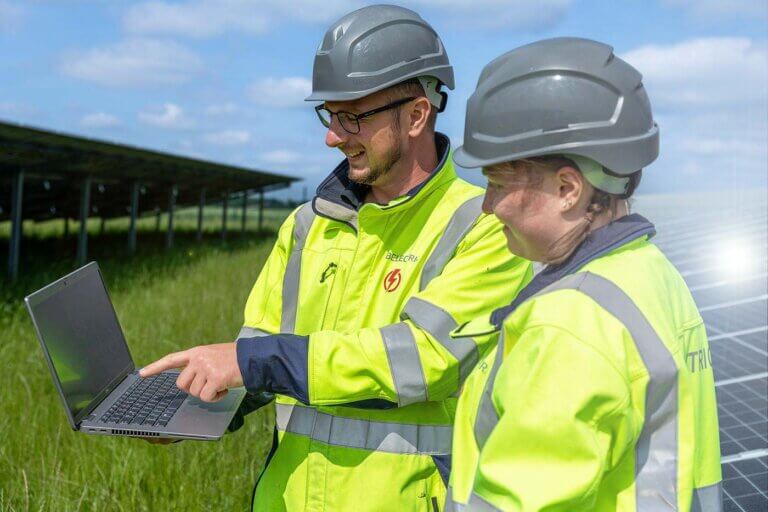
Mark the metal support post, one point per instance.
(245, 212)
(171, 207)
(157, 220)
(102, 226)
(224, 216)
(85, 208)
(17, 200)
(135, 189)
(261, 209)
(66, 227)
(200, 208)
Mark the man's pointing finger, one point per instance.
(175, 360)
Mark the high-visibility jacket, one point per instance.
(599, 395)
(357, 301)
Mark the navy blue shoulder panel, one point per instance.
(601, 241)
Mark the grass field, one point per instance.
(166, 300)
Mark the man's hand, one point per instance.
(209, 370)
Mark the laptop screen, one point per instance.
(80, 332)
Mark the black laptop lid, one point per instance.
(81, 337)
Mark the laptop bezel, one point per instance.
(42, 294)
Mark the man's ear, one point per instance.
(418, 116)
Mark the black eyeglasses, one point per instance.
(351, 121)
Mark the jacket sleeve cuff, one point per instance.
(275, 364)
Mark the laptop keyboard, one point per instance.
(151, 401)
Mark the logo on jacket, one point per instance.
(328, 272)
(392, 280)
(405, 258)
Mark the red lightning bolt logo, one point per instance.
(392, 280)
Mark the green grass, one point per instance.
(166, 300)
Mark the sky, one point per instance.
(225, 80)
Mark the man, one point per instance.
(349, 321)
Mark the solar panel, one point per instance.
(721, 254)
(744, 485)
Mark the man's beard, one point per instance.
(376, 171)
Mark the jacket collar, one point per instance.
(602, 241)
(340, 199)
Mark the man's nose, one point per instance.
(336, 135)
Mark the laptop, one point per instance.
(94, 372)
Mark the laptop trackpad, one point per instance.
(196, 417)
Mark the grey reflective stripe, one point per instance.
(476, 502)
(364, 434)
(450, 505)
(656, 450)
(708, 499)
(404, 363)
(303, 221)
(439, 323)
(336, 211)
(462, 221)
(487, 417)
(251, 332)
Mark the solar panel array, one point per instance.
(719, 244)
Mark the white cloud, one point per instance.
(134, 62)
(713, 146)
(711, 102)
(221, 109)
(280, 92)
(207, 18)
(99, 120)
(228, 138)
(707, 71)
(526, 15)
(16, 109)
(166, 116)
(716, 10)
(281, 156)
(11, 15)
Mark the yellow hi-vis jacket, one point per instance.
(599, 396)
(357, 301)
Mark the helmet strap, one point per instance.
(436, 97)
(597, 176)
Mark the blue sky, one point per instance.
(224, 80)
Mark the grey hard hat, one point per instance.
(373, 48)
(560, 96)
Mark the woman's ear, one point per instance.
(571, 188)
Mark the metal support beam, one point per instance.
(157, 220)
(102, 226)
(17, 203)
(172, 193)
(200, 208)
(85, 208)
(261, 209)
(224, 216)
(135, 190)
(245, 212)
(66, 227)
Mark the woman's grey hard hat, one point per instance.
(560, 96)
(373, 48)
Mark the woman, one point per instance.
(590, 400)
